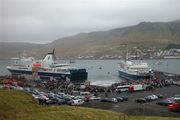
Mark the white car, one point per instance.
(154, 97)
(40, 97)
(94, 98)
(19, 88)
(77, 102)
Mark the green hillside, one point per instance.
(98, 43)
(159, 34)
(18, 105)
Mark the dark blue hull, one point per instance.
(133, 77)
(75, 76)
(20, 72)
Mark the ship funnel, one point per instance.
(50, 58)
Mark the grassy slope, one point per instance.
(17, 105)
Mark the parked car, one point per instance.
(67, 98)
(112, 100)
(76, 102)
(165, 102)
(170, 98)
(51, 102)
(91, 98)
(159, 95)
(120, 99)
(175, 106)
(61, 93)
(178, 83)
(171, 81)
(125, 98)
(167, 83)
(141, 100)
(177, 97)
(40, 97)
(61, 102)
(85, 93)
(151, 97)
(148, 87)
(154, 97)
(79, 97)
(94, 98)
(148, 98)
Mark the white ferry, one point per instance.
(48, 68)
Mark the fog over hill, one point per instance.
(158, 34)
(14, 49)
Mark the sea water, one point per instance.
(105, 72)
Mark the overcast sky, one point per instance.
(42, 21)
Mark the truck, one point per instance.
(138, 87)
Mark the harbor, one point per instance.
(108, 74)
(93, 95)
(90, 60)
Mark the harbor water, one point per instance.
(105, 72)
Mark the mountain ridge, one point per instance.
(96, 43)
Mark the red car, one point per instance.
(175, 106)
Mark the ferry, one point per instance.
(134, 71)
(48, 68)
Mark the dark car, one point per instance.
(165, 102)
(167, 83)
(112, 100)
(51, 102)
(159, 95)
(141, 100)
(125, 98)
(148, 87)
(120, 99)
(61, 102)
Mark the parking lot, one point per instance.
(133, 108)
(61, 92)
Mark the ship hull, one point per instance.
(128, 76)
(19, 72)
(75, 76)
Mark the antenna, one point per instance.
(53, 50)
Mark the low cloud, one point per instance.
(43, 21)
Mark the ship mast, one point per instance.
(126, 55)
